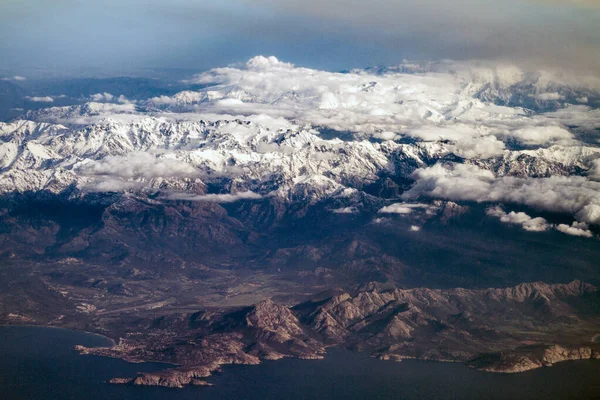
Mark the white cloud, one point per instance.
(525, 221)
(15, 78)
(414, 228)
(533, 135)
(576, 115)
(433, 103)
(479, 147)
(381, 220)
(345, 210)
(385, 135)
(109, 98)
(576, 229)
(594, 172)
(111, 184)
(99, 97)
(183, 98)
(538, 224)
(551, 96)
(132, 171)
(138, 165)
(402, 208)
(357, 102)
(574, 194)
(40, 99)
(396, 209)
(92, 113)
(262, 63)
(216, 198)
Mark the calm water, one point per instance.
(39, 363)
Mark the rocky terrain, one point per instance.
(497, 330)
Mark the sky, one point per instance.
(122, 35)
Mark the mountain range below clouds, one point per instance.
(437, 182)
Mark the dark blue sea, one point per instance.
(40, 363)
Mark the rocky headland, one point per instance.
(505, 330)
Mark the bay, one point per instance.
(39, 363)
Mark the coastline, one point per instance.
(112, 341)
(178, 376)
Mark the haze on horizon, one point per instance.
(120, 36)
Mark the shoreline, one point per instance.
(172, 375)
(172, 371)
(112, 341)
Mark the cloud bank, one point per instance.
(575, 195)
(138, 165)
(538, 224)
(128, 172)
(278, 129)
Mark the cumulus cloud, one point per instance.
(415, 228)
(574, 194)
(102, 97)
(216, 198)
(109, 98)
(402, 208)
(40, 99)
(538, 224)
(575, 229)
(138, 165)
(262, 63)
(525, 221)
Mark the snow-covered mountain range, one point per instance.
(450, 131)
